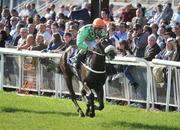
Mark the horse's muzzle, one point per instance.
(110, 52)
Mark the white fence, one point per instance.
(22, 70)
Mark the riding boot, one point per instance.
(80, 58)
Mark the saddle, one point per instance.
(74, 59)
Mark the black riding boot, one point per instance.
(80, 58)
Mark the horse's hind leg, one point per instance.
(73, 98)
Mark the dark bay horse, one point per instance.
(92, 78)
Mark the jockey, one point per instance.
(86, 38)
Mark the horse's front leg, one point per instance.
(90, 111)
(100, 98)
(73, 98)
(89, 98)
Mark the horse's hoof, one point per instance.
(90, 114)
(81, 115)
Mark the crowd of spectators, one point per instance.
(134, 34)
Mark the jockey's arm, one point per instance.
(81, 37)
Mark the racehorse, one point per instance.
(92, 77)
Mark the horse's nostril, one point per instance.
(111, 55)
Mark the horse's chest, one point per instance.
(95, 79)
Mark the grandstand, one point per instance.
(41, 5)
(149, 92)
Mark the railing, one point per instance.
(20, 71)
(21, 5)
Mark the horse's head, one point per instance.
(108, 48)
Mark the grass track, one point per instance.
(43, 113)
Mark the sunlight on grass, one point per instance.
(43, 113)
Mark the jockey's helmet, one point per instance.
(98, 23)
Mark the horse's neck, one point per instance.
(98, 62)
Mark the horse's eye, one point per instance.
(106, 40)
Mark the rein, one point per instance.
(97, 53)
(94, 71)
(90, 69)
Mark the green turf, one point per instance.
(43, 113)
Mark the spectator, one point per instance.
(33, 8)
(176, 29)
(111, 29)
(61, 28)
(154, 28)
(160, 41)
(16, 35)
(127, 14)
(5, 16)
(163, 22)
(123, 49)
(81, 23)
(46, 34)
(167, 12)
(13, 21)
(28, 44)
(40, 45)
(37, 19)
(122, 34)
(2, 26)
(23, 36)
(22, 13)
(9, 37)
(52, 12)
(68, 41)
(29, 12)
(157, 16)
(48, 15)
(105, 16)
(55, 28)
(152, 49)
(81, 14)
(29, 20)
(64, 10)
(55, 42)
(111, 7)
(139, 19)
(176, 16)
(32, 30)
(43, 20)
(139, 40)
(3, 37)
(130, 39)
(176, 55)
(167, 53)
(14, 13)
(48, 25)
(147, 29)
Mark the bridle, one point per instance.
(99, 54)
